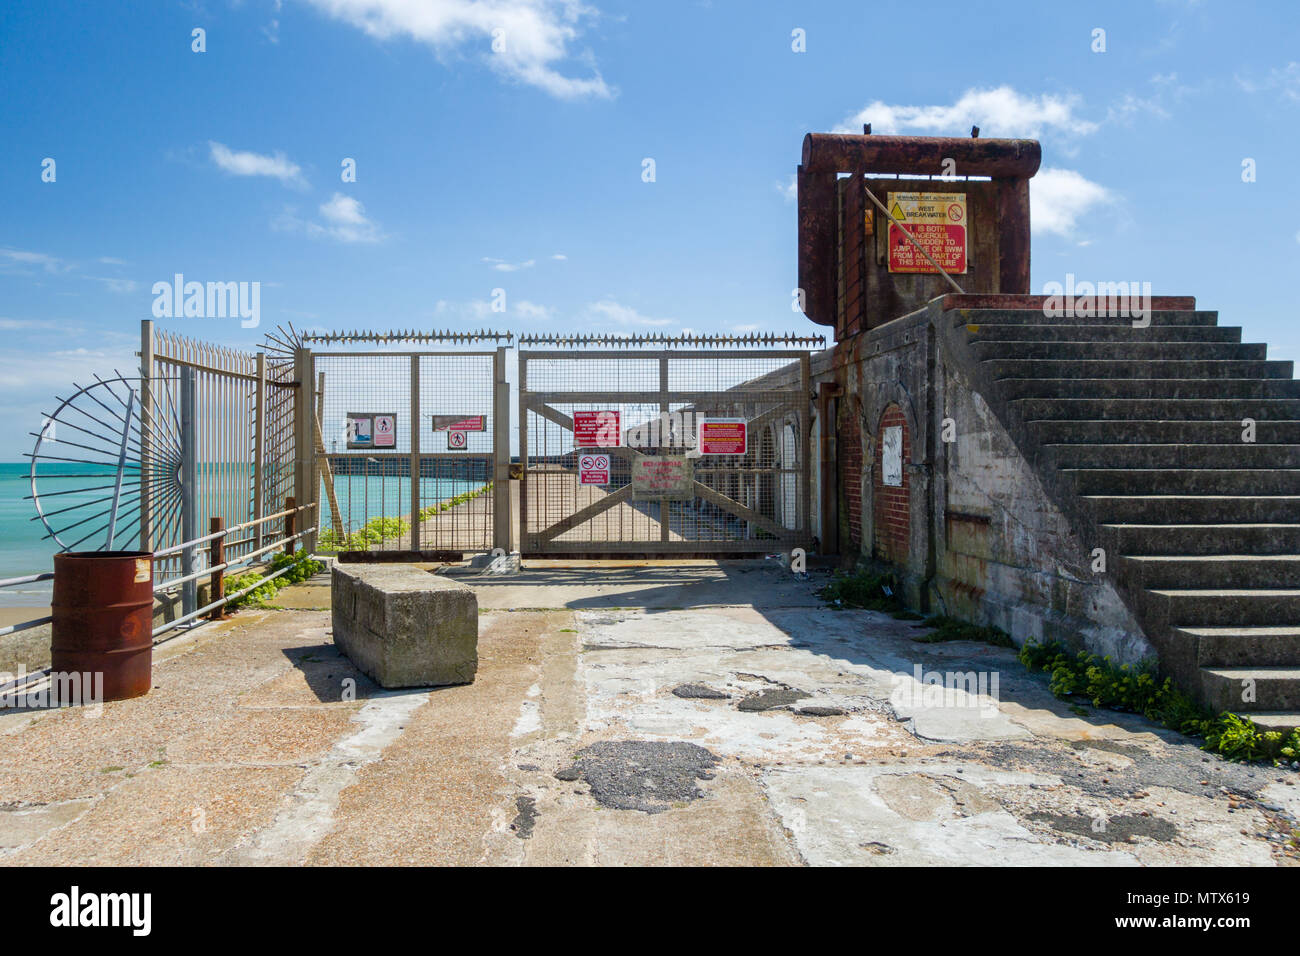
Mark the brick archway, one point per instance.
(891, 491)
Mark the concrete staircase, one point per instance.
(1139, 432)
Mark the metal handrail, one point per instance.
(227, 598)
(35, 622)
(231, 564)
(27, 579)
(177, 548)
(167, 585)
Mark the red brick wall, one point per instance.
(889, 504)
(849, 445)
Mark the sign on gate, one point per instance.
(371, 430)
(456, 440)
(596, 430)
(593, 469)
(721, 436)
(460, 423)
(662, 476)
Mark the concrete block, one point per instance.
(404, 627)
(497, 562)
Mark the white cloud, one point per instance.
(480, 310)
(997, 112)
(531, 311)
(612, 311)
(502, 265)
(1285, 78)
(559, 257)
(1059, 197)
(24, 258)
(345, 221)
(110, 261)
(48, 373)
(244, 163)
(534, 35)
(18, 325)
(789, 189)
(114, 284)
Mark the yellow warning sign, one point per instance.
(935, 220)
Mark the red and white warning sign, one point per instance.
(460, 423)
(938, 222)
(385, 431)
(596, 430)
(721, 436)
(593, 469)
(456, 440)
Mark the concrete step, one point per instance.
(1244, 690)
(1119, 432)
(1103, 333)
(1062, 367)
(1157, 409)
(1282, 721)
(1138, 351)
(1192, 607)
(1148, 388)
(1239, 455)
(1193, 539)
(1037, 317)
(1182, 481)
(1235, 645)
(1196, 509)
(1214, 570)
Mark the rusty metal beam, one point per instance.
(847, 153)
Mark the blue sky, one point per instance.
(522, 169)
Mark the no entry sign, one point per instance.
(596, 430)
(456, 440)
(593, 469)
(721, 436)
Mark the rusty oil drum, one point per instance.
(103, 619)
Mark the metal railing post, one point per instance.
(290, 522)
(217, 558)
(306, 485)
(414, 464)
(189, 486)
(501, 536)
(146, 431)
(259, 446)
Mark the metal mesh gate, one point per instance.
(646, 409)
(407, 450)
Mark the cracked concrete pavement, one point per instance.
(625, 713)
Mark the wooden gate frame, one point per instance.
(792, 400)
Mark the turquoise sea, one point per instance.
(22, 550)
(25, 550)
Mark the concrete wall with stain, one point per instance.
(982, 541)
